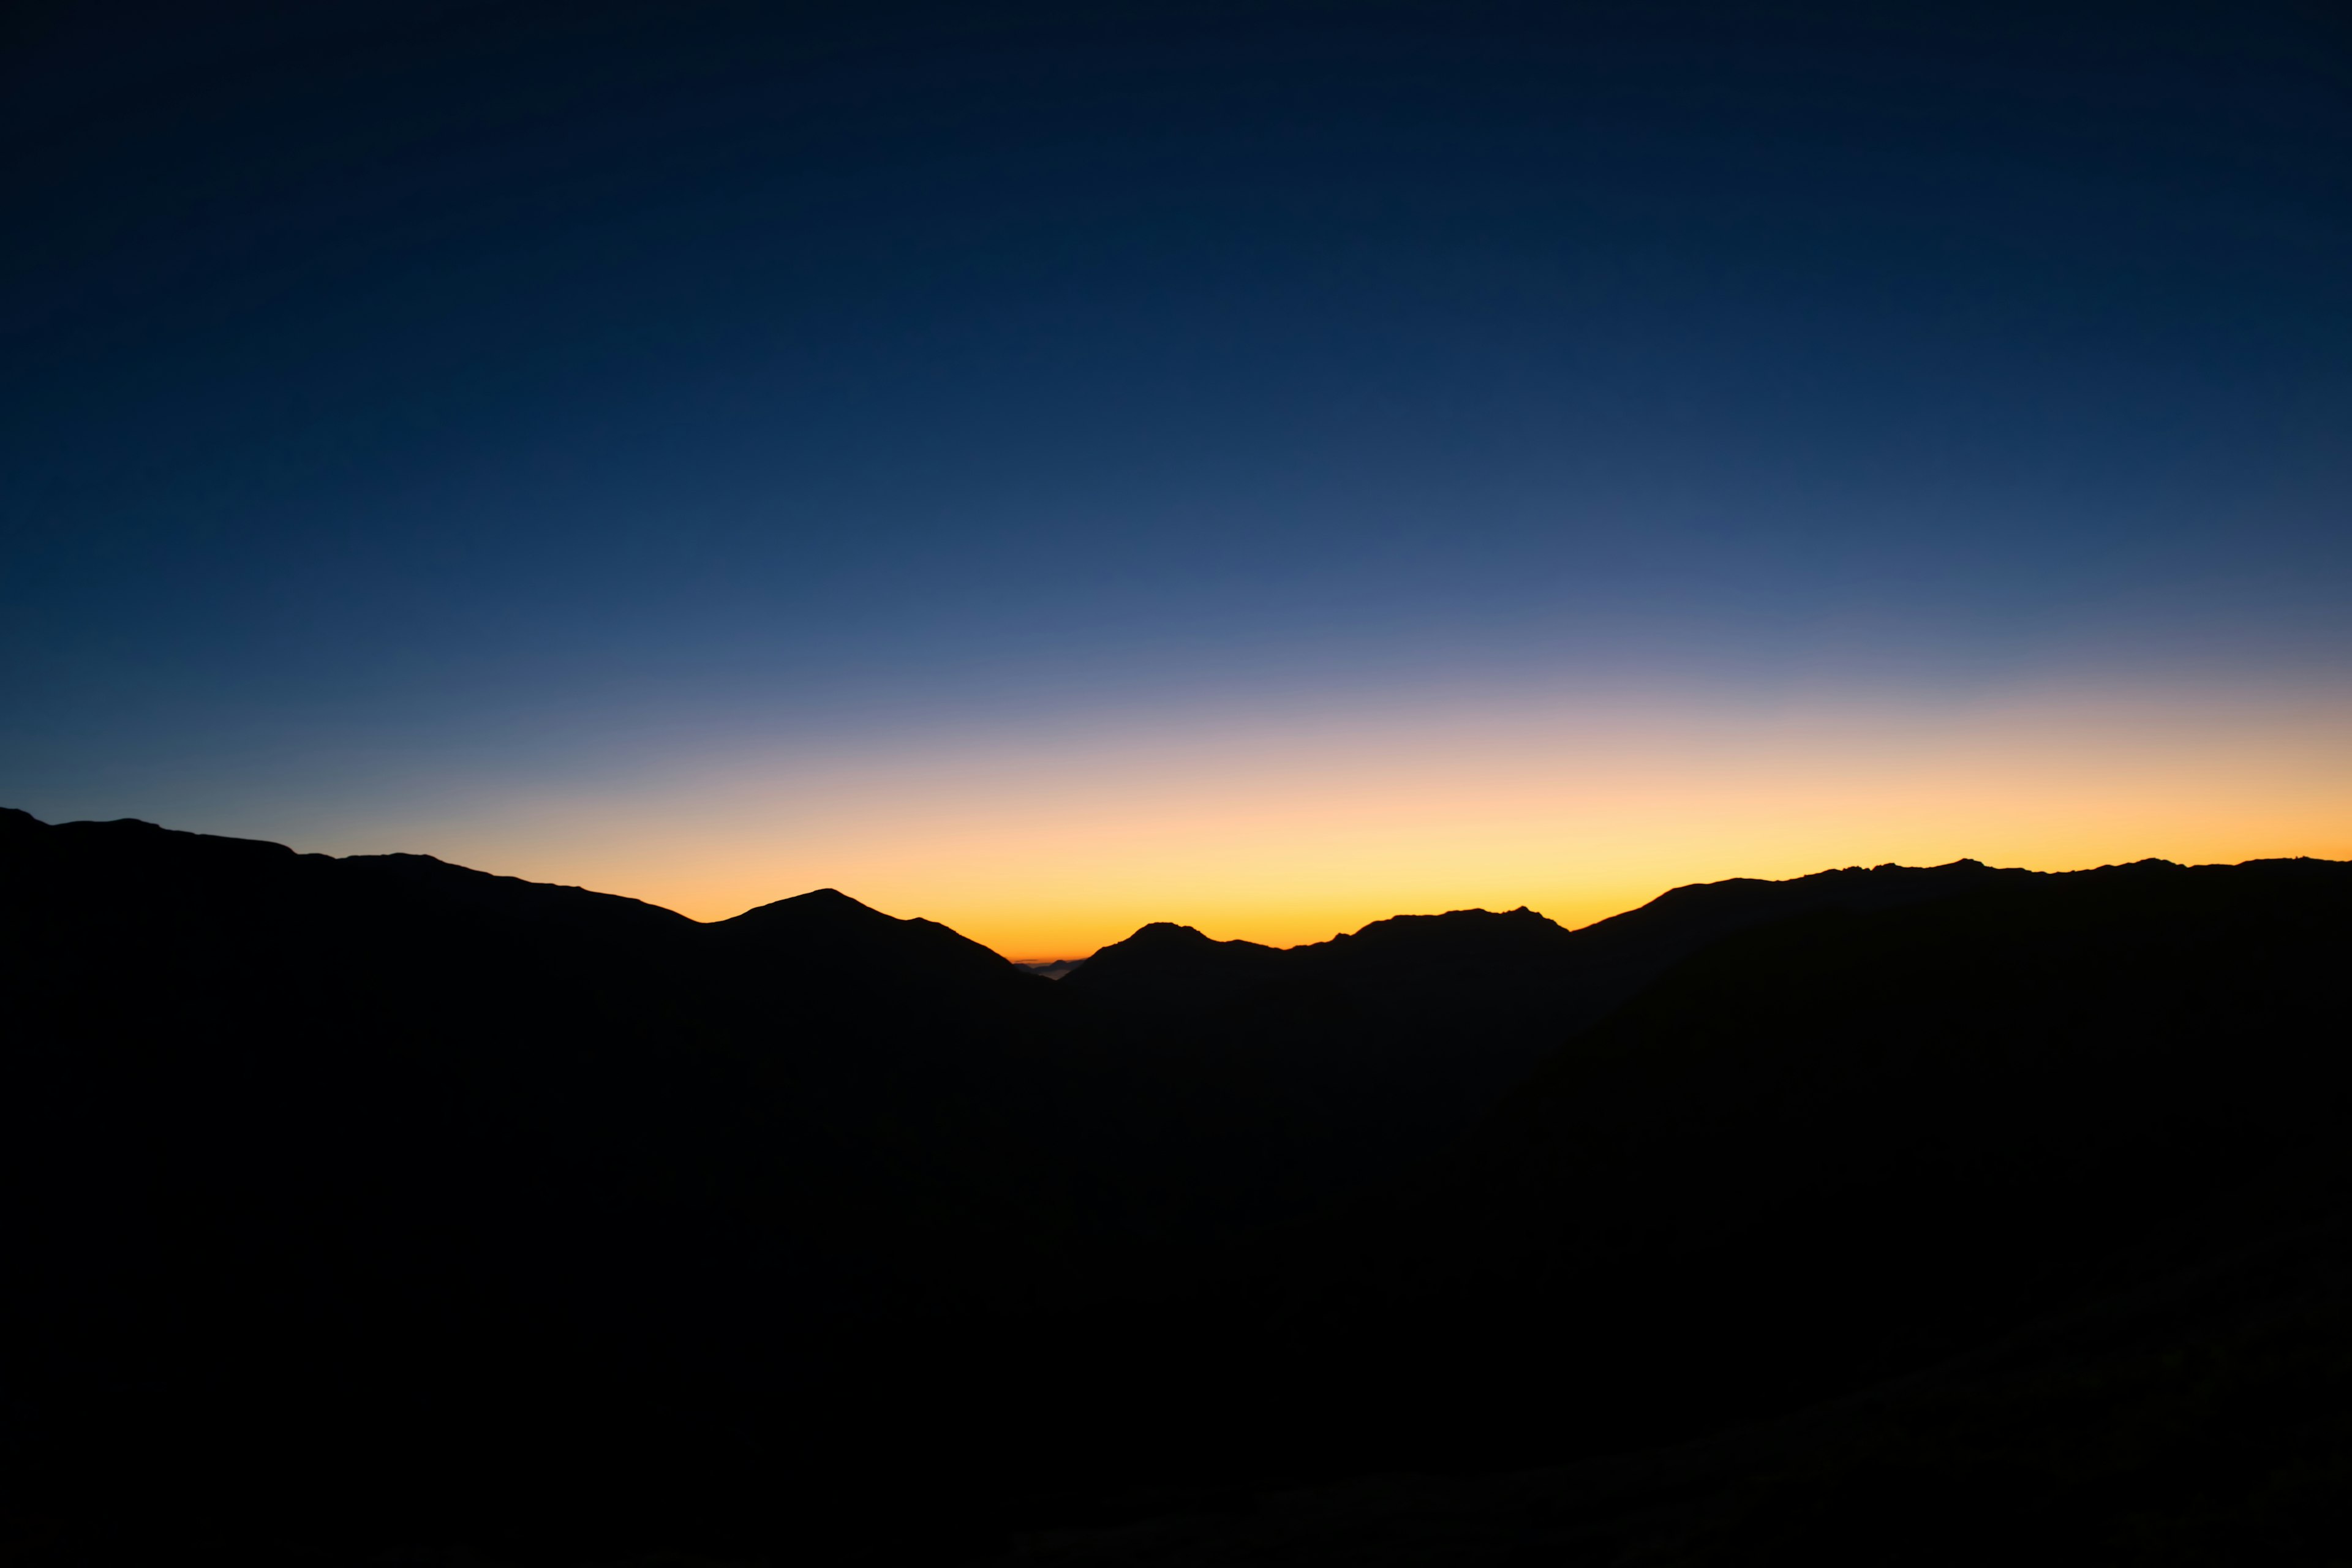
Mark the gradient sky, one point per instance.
(1052, 466)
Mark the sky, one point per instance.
(1052, 466)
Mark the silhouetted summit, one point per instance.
(1165, 964)
(1438, 961)
(856, 944)
(508, 898)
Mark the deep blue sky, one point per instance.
(424, 396)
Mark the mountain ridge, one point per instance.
(366, 1188)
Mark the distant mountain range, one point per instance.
(376, 1203)
(1052, 968)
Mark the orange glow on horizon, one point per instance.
(1288, 828)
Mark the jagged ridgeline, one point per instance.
(376, 1202)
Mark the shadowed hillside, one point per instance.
(1371, 1050)
(2007, 1224)
(376, 1202)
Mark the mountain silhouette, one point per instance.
(2004, 1153)
(376, 1202)
(1164, 965)
(833, 931)
(1317, 1071)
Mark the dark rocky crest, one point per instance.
(1168, 965)
(835, 934)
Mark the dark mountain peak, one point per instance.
(1744, 900)
(241, 879)
(835, 934)
(1454, 927)
(822, 904)
(825, 914)
(1167, 937)
(149, 841)
(1165, 964)
(452, 888)
(1167, 934)
(1966, 863)
(1483, 973)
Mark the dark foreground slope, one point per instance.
(345, 1195)
(2009, 1226)
(1339, 1064)
(370, 1203)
